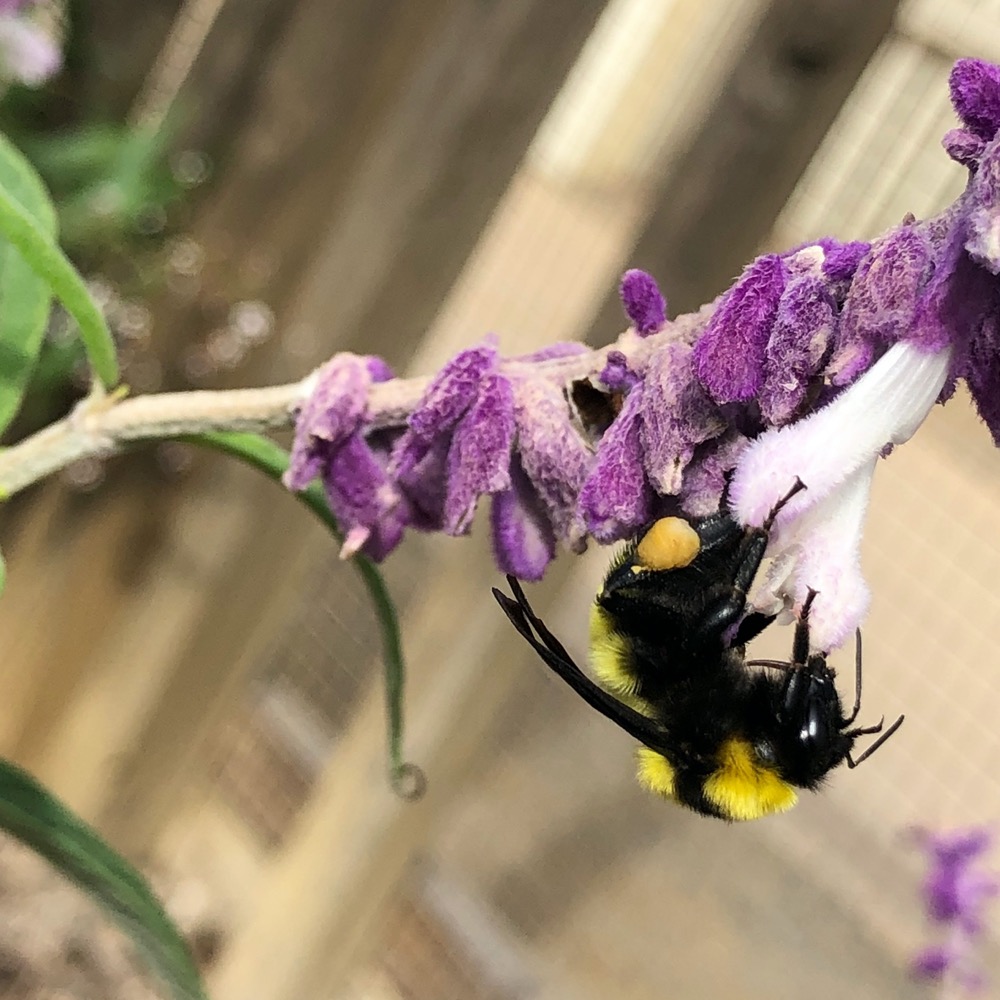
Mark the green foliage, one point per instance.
(40, 821)
(25, 298)
(26, 233)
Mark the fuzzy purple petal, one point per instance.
(644, 303)
(370, 509)
(332, 413)
(983, 375)
(975, 95)
(617, 500)
(453, 390)
(729, 356)
(562, 349)
(795, 350)
(523, 540)
(964, 147)
(479, 457)
(421, 472)
(881, 302)
(677, 415)
(842, 259)
(707, 475)
(984, 216)
(554, 456)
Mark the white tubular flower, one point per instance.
(817, 538)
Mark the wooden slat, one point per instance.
(721, 196)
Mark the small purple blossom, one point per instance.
(644, 304)
(30, 49)
(955, 893)
(814, 364)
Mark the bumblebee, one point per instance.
(668, 632)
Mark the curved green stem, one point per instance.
(271, 459)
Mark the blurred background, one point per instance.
(252, 185)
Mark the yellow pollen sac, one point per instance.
(656, 773)
(742, 788)
(670, 543)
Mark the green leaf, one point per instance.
(34, 239)
(40, 821)
(25, 298)
(269, 458)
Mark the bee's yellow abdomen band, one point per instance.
(656, 773)
(741, 788)
(671, 543)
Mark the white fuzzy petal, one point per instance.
(821, 551)
(885, 406)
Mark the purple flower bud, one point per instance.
(729, 356)
(964, 147)
(617, 500)
(975, 95)
(616, 374)
(644, 304)
(479, 458)
(796, 348)
(677, 415)
(523, 540)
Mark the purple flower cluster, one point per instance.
(813, 364)
(955, 893)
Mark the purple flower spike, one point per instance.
(956, 891)
(677, 416)
(729, 356)
(332, 414)
(479, 458)
(975, 95)
(523, 540)
(644, 303)
(796, 347)
(617, 500)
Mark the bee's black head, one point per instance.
(803, 732)
(809, 729)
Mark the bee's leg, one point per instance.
(727, 611)
(800, 644)
(751, 627)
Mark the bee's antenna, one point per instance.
(851, 762)
(776, 664)
(857, 680)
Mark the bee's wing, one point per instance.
(551, 650)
